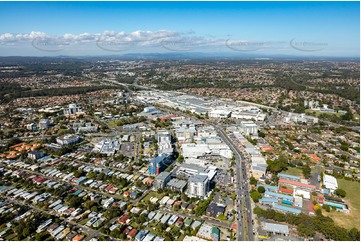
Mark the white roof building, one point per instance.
(330, 182)
(195, 150)
(220, 113)
(249, 128)
(276, 228)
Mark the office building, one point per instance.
(164, 141)
(177, 185)
(73, 109)
(44, 124)
(161, 180)
(159, 164)
(68, 139)
(198, 186)
(248, 128)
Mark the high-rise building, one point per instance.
(164, 141)
(159, 164)
(44, 124)
(249, 128)
(72, 109)
(198, 186)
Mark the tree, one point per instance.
(261, 134)
(115, 233)
(26, 232)
(74, 201)
(180, 158)
(255, 195)
(348, 115)
(41, 236)
(261, 189)
(318, 212)
(13, 141)
(104, 230)
(19, 230)
(177, 207)
(253, 181)
(354, 234)
(306, 170)
(278, 165)
(88, 204)
(202, 206)
(326, 207)
(344, 147)
(340, 192)
(90, 175)
(122, 237)
(184, 197)
(308, 225)
(317, 207)
(305, 231)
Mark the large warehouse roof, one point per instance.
(276, 228)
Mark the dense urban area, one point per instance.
(187, 149)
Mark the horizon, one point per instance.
(302, 29)
(189, 55)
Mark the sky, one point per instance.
(116, 28)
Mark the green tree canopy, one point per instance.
(340, 192)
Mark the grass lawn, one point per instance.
(11, 237)
(317, 113)
(134, 225)
(84, 221)
(293, 171)
(181, 238)
(353, 200)
(112, 124)
(3, 227)
(152, 224)
(152, 194)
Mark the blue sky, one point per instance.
(78, 28)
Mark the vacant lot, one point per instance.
(353, 200)
(294, 172)
(152, 194)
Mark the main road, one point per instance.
(244, 209)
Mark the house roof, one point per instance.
(215, 209)
(296, 183)
(123, 219)
(133, 232)
(78, 237)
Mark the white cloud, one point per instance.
(121, 41)
(139, 37)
